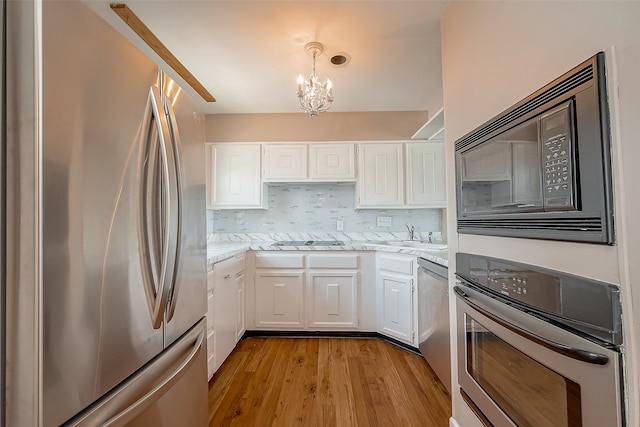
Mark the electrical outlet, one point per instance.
(383, 221)
(339, 225)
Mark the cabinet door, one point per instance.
(225, 310)
(240, 322)
(285, 162)
(381, 177)
(278, 299)
(397, 307)
(233, 176)
(211, 368)
(211, 353)
(333, 300)
(331, 162)
(426, 174)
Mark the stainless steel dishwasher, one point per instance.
(433, 318)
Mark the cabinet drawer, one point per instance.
(334, 261)
(294, 260)
(397, 264)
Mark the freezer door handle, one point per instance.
(154, 394)
(136, 394)
(157, 219)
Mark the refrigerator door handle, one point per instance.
(177, 261)
(156, 235)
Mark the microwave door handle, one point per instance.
(565, 350)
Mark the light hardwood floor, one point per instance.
(326, 382)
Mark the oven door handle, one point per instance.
(565, 350)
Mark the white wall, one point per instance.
(497, 52)
(329, 126)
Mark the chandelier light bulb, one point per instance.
(315, 95)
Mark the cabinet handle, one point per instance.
(227, 276)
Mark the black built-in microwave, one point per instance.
(542, 168)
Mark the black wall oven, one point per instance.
(537, 347)
(541, 169)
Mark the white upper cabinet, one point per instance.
(381, 181)
(285, 162)
(390, 179)
(426, 175)
(308, 162)
(332, 162)
(233, 176)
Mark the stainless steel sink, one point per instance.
(412, 244)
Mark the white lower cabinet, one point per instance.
(225, 310)
(312, 291)
(211, 344)
(332, 300)
(240, 299)
(396, 289)
(279, 299)
(396, 316)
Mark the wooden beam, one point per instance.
(130, 18)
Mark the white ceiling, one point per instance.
(249, 53)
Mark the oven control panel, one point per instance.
(530, 287)
(509, 286)
(574, 299)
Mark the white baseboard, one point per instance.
(453, 422)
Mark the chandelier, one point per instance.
(315, 95)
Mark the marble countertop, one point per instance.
(219, 251)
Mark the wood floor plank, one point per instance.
(326, 382)
(270, 382)
(297, 403)
(365, 407)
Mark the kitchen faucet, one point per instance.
(411, 231)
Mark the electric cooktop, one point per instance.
(309, 243)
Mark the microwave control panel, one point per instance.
(557, 159)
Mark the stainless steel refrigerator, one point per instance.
(105, 219)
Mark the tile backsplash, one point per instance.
(316, 208)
